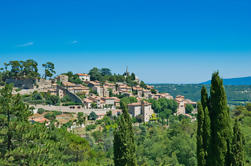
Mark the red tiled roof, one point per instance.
(82, 74)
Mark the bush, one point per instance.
(50, 116)
(40, 110)
(90, 127)
(66, 99)
(189, 108)
(36, 96)
(92, 116)
(52, 100)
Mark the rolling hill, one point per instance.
(234, 81)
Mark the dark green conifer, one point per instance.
(206, 122)
(200, 148)
(237, 150)
(204, 97)
(206, 134)
(220, 123)
(124, 146)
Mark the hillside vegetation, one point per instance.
(236, 94)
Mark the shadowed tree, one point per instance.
(206, 123)
(220, 123)
(124, 146)
(237, 150)
(200, 146)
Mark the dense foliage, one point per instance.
(124, 145)
(105, 74)
(25, 70)
(23, 143)
(217, 144)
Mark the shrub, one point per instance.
(40, 110)
(50, 116)
(90, 127)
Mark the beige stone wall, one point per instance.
(147, 113)
(134, 110)
(62, 78)
(181, 108)
(43, 84)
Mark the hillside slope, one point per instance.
(234, 81)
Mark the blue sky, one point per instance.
(161, 41)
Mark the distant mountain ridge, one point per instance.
(234, 81)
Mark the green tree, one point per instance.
(124, 146)
(49, 69)
(200, 146)
(154, 91)
(13, 114)
(93, 116)
(30, 69)
(95, 74)
(106, 72)
(52, 100)
(206, 134)
(143, 85)
(133, 77)
(248, 106)
(189, 108)
(220, 123)
(204, 97)
(81, 119)
(15, 71)
(237, 148)
(94, 105)
(206, 130)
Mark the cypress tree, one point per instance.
(206, 134)
(206, 122)
(220, 123)
(124, 146)
(200, 147)
(237, 150)
(204, 97)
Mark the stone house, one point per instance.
(124, 88)
(79, 89)
(182, 104)
(88, 102)
(146, 93)
(84, 77)
(91, 84)
(141, 108)
(68, 85)
(62, 78)
(111, 102)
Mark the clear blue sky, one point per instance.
(162, 41)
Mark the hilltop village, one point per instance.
(91, 117)
(94, 94)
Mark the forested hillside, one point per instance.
(236, 94)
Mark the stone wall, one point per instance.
(43, 84)
(22, 83)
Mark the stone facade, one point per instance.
(62, 78)
(84, 77)
(141, 108)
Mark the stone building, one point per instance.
(62, 78)
(141, 108)
(84, 77)
(182, 104)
